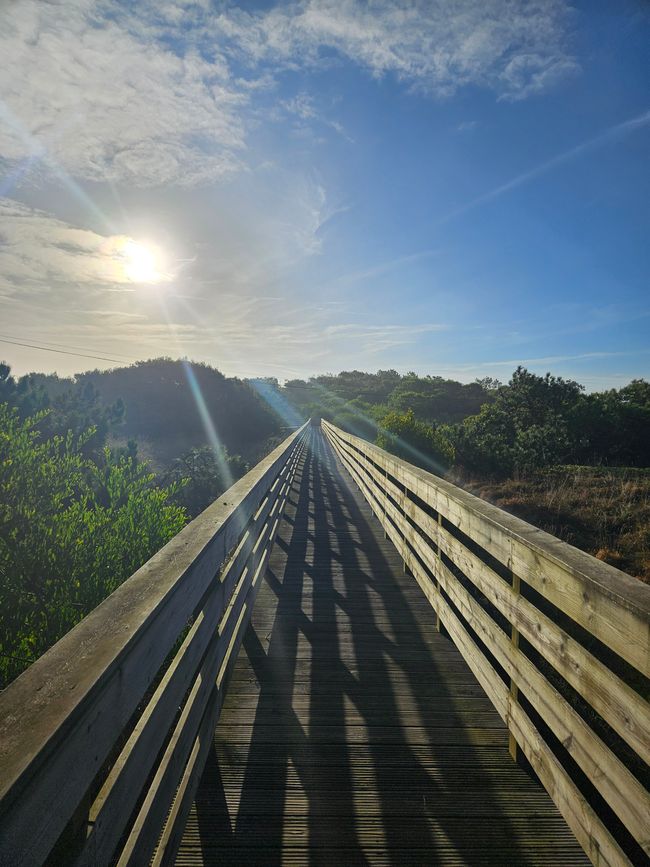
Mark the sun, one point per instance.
(140, 262)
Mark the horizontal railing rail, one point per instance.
(103, 739)
(558, 640)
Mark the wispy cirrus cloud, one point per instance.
(378, 338)
(153, 93)
(513, 48)
(105, 99)
(381, 268)
(302, 106)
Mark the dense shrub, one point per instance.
(540, 421)
(72, 528)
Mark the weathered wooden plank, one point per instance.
(419, 719)
(306, 856)
(452, 762)
(314, 782)
(416, 832)
(332, 734)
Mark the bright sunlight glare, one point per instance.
(141, 262)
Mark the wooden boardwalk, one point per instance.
(352, 732)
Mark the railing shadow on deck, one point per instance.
(345, 550)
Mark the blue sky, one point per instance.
(314, 186)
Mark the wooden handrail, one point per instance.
(559, 641)
(93, 746)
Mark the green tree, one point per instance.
(526, 427)
(72, 406)
(438, 400)
(484, 442)
(168, 402)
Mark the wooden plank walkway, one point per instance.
(352, 732)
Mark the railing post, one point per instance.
(404, 566)
(369, 483)
(514, 640)
(436, 579)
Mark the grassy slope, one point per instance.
(604, 511)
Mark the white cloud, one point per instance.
(378, 270)
(106, 101)
(62, 283)
(40, 253)
(514, 47)
(302, 105)
(145, 94)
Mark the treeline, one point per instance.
(485, 429)
(188, 421)
(433, 399)
(174, 406)
(97, 473)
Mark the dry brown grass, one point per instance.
(604, 511)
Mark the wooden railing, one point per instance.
(103, 739)
(558, 640)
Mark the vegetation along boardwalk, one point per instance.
(353, 732)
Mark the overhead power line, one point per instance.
(62, 351)
(68, 346)
(124, 359)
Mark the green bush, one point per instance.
(73, 527)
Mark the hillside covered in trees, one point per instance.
(188, 421)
